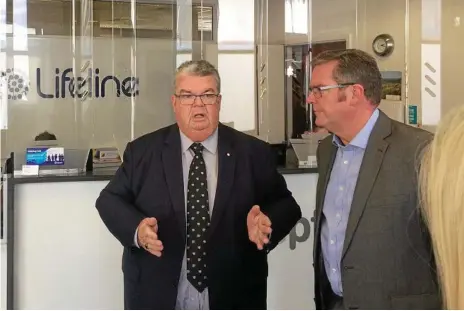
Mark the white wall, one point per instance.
(291, 274)
(237, 72)
(65, 258)
(235, 60)
(410, 27)
(236, 25)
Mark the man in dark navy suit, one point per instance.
(197, 206)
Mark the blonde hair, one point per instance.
(441, 187)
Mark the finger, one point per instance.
(156, 247)
(264, 220)
(264, 238)
(157, 254)
(255, 210)
(151, 241)
(152, 222)
(252, 234)
(148, 233)
(256, 239)
(264, 229)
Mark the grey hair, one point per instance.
(200, 68)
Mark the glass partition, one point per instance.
(93, 73)
(100, 72)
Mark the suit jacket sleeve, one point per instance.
(116, 202)
(274, 198)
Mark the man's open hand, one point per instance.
(147, 236)
(259, 227)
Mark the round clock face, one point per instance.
(380, 46)
(383, 45)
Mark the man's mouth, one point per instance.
(198, 115)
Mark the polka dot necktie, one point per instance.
(198, 219)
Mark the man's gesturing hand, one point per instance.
(147, 236)
(259, 227)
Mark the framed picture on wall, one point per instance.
(391, 85)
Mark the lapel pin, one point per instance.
(228, 154)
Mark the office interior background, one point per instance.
(99, 73)
(253, 44)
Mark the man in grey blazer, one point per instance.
(372, 250)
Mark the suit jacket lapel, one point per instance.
(172, 163)
(225, 179)
(327, 159)
(372, 161)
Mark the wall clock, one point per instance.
(383, 45)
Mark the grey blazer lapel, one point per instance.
(372, 161)
(327, 154)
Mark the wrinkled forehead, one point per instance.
(192, 83)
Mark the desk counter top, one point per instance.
(108, 174)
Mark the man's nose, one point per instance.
(310, 99)
(198, 102)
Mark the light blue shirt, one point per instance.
(188, 298)
(338, 198)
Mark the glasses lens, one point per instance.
(187, 99)
(315, 91)
(208, 99)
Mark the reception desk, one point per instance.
(61, 256)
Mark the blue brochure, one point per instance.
(45, 156)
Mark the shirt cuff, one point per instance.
(136, 243)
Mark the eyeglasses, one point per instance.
(317, 90)
(189, 99)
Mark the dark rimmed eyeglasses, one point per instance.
(317, 90)
(189, 99)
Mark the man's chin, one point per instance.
(200, 127)
(318, 123)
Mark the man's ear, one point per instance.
(357, 93)
(173, 101)
(219, 102)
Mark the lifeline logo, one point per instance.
(93, 85)
(17, 86)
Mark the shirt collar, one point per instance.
(210, 144)
(361, 139)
